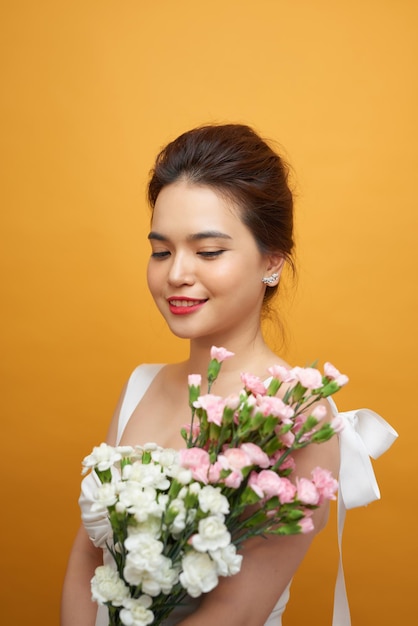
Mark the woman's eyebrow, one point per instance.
(208, 234)
(205, 234)
(157, 236)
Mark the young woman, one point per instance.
(220, 236)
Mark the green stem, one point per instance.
(190, 440)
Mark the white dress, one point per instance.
(365, 434)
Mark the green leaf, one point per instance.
(256, 519)
(287, 529)
(323, 434)
(298, 392)
(105, 476)
(213, 370)
(194, 393)
(269, 424)
(329, 389)
(146, 457)
(273, 387)
(249, 496)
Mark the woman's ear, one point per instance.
(275, 263)
(274, 266)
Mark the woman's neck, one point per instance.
(249, 355)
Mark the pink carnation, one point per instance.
(288, 463)
(319, 412)
(306, 525)
(272, 405)
(195, 429)
(213, 405)
(331, 372)
(234, 458)
(287, 439)
(234, 479)
(220, 354)
(337, 424)
(253, 384)
(265, 484)
(232, 401)
(307, 491)
(197, 461)
(325, 483)
(299, 422)
(256, 455)
(194, 380)
(287, 491)
(214, 474)
(308, 377)
(283, 374)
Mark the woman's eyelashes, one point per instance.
(206, 254)
(160, 255)
(210, 254)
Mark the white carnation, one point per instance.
(183, 492)
(166, 457)
(106, 586)
(163, 499)
(195, 488)
(136, 612)
(140, 502)
(191, 515)
(227, 560)
(199, 573)
(151, 446)
(212, 534)
(146, 565)
(148, 475)
(178, 510)
(104, 496)
(212, 501)
(144, 548)
(153, 576)
(160, 580)
(125, 451)
(151, 526)
(181, 474)
(102, 457)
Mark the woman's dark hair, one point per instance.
(235, 162)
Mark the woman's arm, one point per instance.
(77, 607)
(268, 564)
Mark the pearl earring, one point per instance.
(269, 280)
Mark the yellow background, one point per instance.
(90, 90)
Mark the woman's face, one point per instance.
(205, 269)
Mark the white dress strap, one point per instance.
(138, 383)
(365, 434)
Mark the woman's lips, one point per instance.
(184, 306)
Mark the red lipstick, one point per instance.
(180, 305)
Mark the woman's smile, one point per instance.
(184, 306)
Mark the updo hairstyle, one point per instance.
(236, 163)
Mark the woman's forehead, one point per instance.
(196, 209)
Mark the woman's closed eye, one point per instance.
(210, 254)
(206, 254)
(163, 254)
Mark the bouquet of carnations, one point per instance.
(178, 518)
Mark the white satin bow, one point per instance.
(365, 434)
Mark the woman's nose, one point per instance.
(181, 270)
